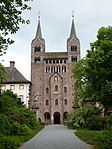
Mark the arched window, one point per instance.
(47, 102)
(63, 68)
(55, 78)
(37, 59)
(47, 90)
(65, 89)
(56, 102)
(56, 88)
(74, 59)
(37, 49)
(73, 48)
(47, 69)
(65, 101)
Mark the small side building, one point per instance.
(17, 83)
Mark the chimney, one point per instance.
(12, 64)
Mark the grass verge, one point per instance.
(89, 136)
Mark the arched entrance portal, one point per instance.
(56, 118)
(47, 118)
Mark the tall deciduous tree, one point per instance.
(10, 19)
(95, 71)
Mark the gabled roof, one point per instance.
(14, 76)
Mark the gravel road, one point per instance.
(55, 137)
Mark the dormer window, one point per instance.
(37, 49)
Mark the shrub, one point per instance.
(31, 117)
(105, 140)
(16, 129)
(18, 117)
(5, 126)
(26, 130)
(80, 116)
(9, 143)
(96, 122)
(109, 120)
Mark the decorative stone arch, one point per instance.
(56, 116)
(47, 118)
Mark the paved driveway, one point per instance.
(55, 137)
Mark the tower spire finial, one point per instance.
(38, 15)
(38, 33)
(73, 15)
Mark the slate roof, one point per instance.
(14, 76)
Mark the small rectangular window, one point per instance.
(3, 87)
(64, 61)
(21, 87)
(12, 87)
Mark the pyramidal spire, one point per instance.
(38, 33)
(73, 31)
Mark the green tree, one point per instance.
(10, 19)
(3, 75)
(95, 71)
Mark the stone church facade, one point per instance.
(52, 91)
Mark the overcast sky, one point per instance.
(56, 17)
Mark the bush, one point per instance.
(18, 117)
(5, 126)
(9, 143)
(109, 120)
(16, 129)
(30, 116)
(26, 130)
(105, 140)
(79, 117)
(96, 122)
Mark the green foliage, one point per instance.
(17, 123)
(9, 102)
(93, 74)
(105, 140)
(30, 116)
(96, 122)
(3, 74)
(109, 120)
(89, 136)
(7, 142)
(16, 129)
(78, 117)
(10, 19)
(5, 126)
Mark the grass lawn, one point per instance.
(89, 136)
